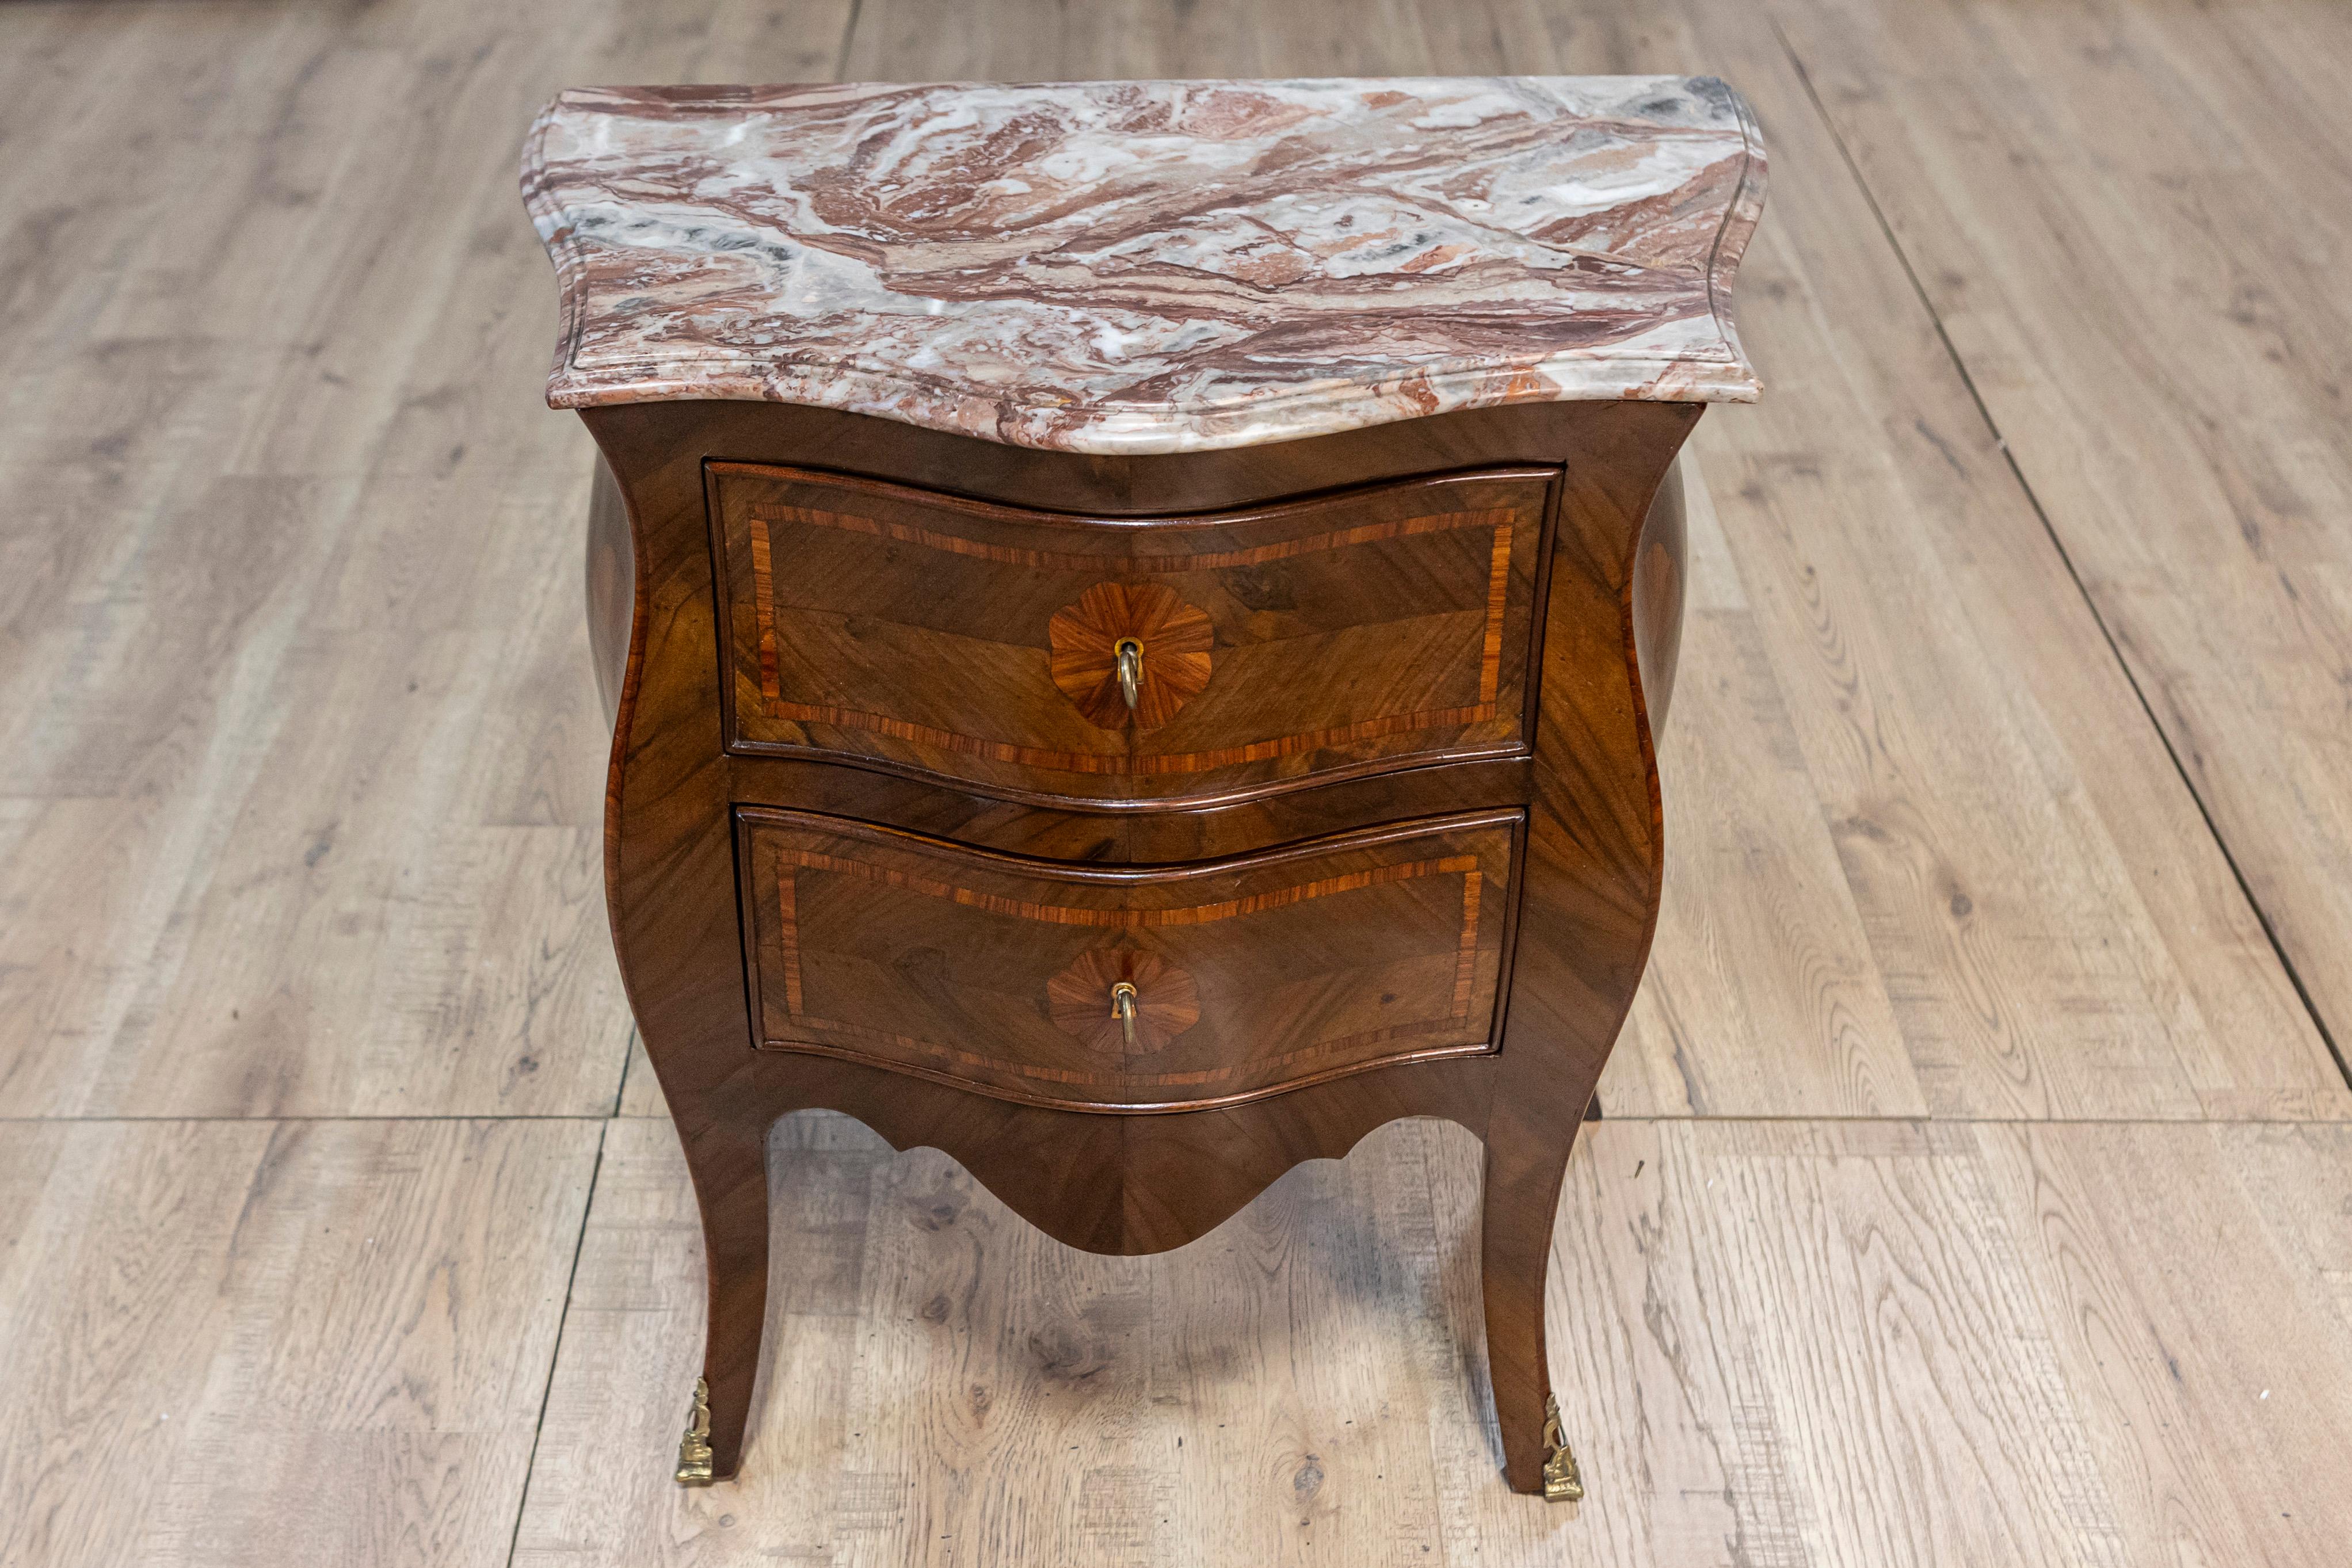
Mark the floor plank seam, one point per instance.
(555, 1355)
(628, 1066)
(597, 1117)
(1984, 412)
(602, 1120)
(848, 37)
(1997, 1121)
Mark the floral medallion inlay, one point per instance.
(1080, 1001)
(1168, 643)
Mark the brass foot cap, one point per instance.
(694, 1457)
(1560, 1481)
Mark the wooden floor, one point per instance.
(1977, 1182)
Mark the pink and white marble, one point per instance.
(1149, 267)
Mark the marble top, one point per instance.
(1151, 266)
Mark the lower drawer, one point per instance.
(1127, 988)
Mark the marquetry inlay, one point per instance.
(1173, 643)
(1167, 1002)
(1183, 694)
(1147, 947)
(1082, 637)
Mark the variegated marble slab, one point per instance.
(1149, 267)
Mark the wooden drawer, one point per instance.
(1249, 975)
(978, 643)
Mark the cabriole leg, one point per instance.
(1523, 1170)
(730, 1184)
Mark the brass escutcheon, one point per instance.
(1097, 653)
(1130, 670)
(1122, 1007)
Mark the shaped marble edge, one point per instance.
(701, 262)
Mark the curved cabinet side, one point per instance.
(1591, 883)
(612, 586)
(670, 889)
(1660, 572)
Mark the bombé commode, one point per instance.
(1134, 616)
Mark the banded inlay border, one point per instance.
(791, 861)
(760, 516)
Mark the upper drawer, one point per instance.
(1089, 987)
(981, 644)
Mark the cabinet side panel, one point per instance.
(612, 586)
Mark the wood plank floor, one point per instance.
(2128, 220)
(1978, 1182)
(282, 1341)
(1785, 1343)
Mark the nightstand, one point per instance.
(1135, 616)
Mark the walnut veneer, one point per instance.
(977, 645)
(1377, 837)
(1248, 975)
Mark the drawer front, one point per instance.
(980, 644)
(1247, 976)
